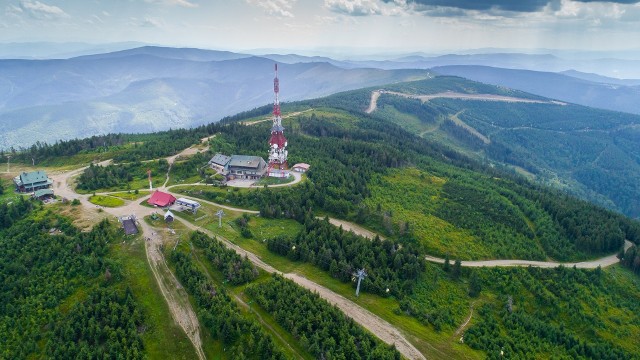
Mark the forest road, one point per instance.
(454, 95)
(176, 297)
(379, 327)
(602, 262)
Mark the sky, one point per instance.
(351, 26)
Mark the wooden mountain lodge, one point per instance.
(239, 166)
(31, 181)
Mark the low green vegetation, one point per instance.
(105, 200)
(563, 313)
(130, 195)
(593, 153)
(191, 170)
(454, 206)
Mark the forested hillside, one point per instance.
(422, 197)
(61, 295)
(590, 152)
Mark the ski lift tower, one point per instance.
(277, 141)
(360, 274)
(219, 214)
(150, 184)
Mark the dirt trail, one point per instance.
(454, 95)
(455, 118)
(602, 262)
(373, 104)
(356, 229)
(379, 327)
(465, 323)
(176, 297)
(186, 152)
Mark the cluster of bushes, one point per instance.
(236, 269)
(321, 328)
(392, 268)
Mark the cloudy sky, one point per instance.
(383, 25)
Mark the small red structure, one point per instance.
(161, 199)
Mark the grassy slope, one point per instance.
(582, 149)
(164, 338)
(413, 195)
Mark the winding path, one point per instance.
(602, 262)
(455, 95)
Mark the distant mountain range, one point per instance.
(151, 88)
(570, 86)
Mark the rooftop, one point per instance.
(42, 192)
(246, 161)
(188, 201)
(129, 226)
(220, 159)
(33, 177)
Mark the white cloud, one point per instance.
(42, 11)
(353, 7)
(183, 3)
(275, 7)
(148, 22)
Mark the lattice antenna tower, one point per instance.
(277, 142)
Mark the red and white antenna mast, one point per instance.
(277, 141)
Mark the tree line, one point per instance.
(220, 315)
(392, 268)
(235, 269)
(320, 328)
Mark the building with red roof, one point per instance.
(161, 199)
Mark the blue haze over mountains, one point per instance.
(152, 88)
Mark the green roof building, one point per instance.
(32, 181)
(43, 194)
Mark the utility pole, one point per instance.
(149, 174)
(8, 160)
(360, 274)
(220, 214)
